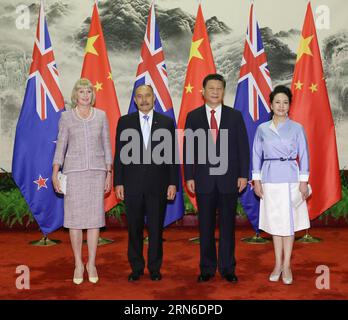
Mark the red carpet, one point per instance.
(51, 269)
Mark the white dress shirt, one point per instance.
(142, 125)
(217, 114)
(142, 120)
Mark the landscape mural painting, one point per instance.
(124, 23)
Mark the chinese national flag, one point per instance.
(96, 68)
(201, 63)
(311, 108)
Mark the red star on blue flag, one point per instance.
(41, 182)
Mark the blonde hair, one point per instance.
(82, 83)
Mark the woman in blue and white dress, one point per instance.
(280, 174)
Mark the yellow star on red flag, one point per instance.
(194, 52)
(189, 88)
(98, 86)
(298, 85)
(304, 47)
(90, 45)
(313, 87)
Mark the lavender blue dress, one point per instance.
(281, 161)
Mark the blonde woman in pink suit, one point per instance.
(83, 151)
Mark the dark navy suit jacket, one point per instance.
(145, 178)
(236, 151)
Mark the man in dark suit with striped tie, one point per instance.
(216, 190)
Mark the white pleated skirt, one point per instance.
(281, 212)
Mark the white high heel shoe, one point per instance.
(92, 279)
(274, 277)
(287, 280)
(78, 280)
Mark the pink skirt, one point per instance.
(84, 200)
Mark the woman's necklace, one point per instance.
(84, 117)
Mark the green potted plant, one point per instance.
(115, 215)
(14, 209)
(338, 212)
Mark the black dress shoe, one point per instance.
(155, 276)
(204, 277)
(231, 277)
(134, 276)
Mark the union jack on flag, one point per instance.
(254, 87)
(152, 71)
(44, 70)
(36, 134)
(152, 67)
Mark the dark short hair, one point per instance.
(281, 89)
(214, 76)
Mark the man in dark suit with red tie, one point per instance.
(144, 182)
(216, 188)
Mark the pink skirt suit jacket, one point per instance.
(83, 151)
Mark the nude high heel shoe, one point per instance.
(92, 279)
(274, 277)
(78, 279)
(287, 280)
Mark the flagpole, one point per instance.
(195, 240)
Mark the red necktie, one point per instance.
(213, 125)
